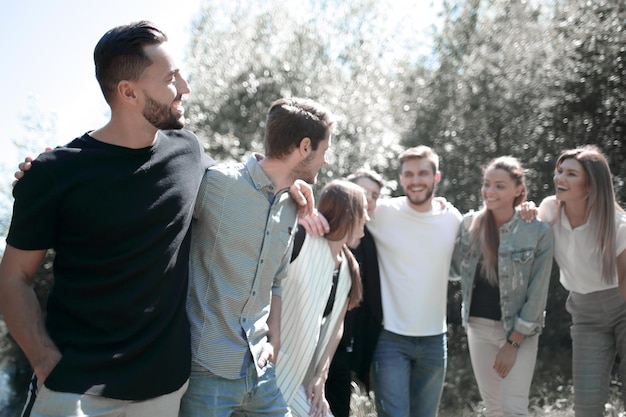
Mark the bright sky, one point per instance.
(47, 48)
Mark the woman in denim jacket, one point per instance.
(504, 264)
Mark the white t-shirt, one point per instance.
(580, 268)
(414, 253)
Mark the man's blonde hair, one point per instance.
(420, 152)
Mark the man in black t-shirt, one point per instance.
(115, 205)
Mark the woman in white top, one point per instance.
(323, 282)
(590, 249)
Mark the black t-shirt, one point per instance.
(485, 298)
(118, 219)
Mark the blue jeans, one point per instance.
(409, 374)
(252, 395)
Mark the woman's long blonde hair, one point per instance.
(484, 230)
(601, 204)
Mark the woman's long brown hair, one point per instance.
(343, 204)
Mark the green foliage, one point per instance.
(243, 58)
(519, 77)
(525, 79)
(590, 79)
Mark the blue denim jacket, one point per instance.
(524, 266)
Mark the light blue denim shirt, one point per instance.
(241, 242)
(524, 267)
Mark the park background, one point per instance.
(473, 79)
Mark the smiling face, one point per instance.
(570, 181)
(418, 180)
(163, 88)
(500, 190)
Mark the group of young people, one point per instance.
(186, 287)
(168, 269)
(503, 255)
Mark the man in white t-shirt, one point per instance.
(415, 238)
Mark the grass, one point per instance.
(551, 392)
(362, 405)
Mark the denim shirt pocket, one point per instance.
(521, 264)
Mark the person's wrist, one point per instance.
(322, 375)
(513, 343)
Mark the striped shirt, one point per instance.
(240, 249)
(304, 332)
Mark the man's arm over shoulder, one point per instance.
(452, 209)
(21, 311)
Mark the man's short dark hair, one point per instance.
(289, 120)
(120, 55)
(369, 174)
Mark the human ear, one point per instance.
(305, 146)
(126, 90)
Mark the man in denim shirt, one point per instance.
(241, 245)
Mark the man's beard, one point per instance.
(419, 201)
(302, 171)
(161, 116)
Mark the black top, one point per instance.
(485, 298)
(333, 292)
(362, 324)
(118, 219)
